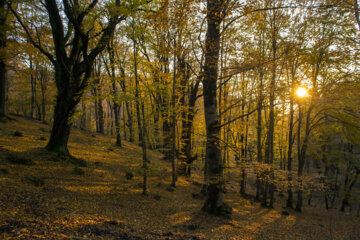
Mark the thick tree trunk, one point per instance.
(214, 166)
(60, 132)
(72, 62)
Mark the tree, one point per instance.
(72, 58)
(213, 163)
(3, 57)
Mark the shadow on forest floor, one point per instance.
(42, 196)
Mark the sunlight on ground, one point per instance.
(54, 202)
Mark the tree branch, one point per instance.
(28, 34)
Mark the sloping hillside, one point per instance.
(45, 197)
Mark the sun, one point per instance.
(301, 92)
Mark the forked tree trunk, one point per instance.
(72, 62)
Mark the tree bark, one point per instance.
(213, 163)
(2, 58)
(72, 60)
(141, 127)
(33, 89)
(289, 201)
(63, 111)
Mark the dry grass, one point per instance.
(52, 200)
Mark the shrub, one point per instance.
(18, 133)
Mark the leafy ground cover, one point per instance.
(45, 197)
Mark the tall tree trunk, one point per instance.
(259, 120)
(33, 89)
(100, 113)
(302, 155)
(173, 118)
(116, 109)
(138, 114)
(242, 140)
(270, 159)
(289, 201)
(43, 81)
(214, 166)
(187, 126)
(2, 58)
(129, 121)
(99, 110)
(116, 104)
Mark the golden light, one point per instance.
(301, 92)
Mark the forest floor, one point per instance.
(43, 197)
